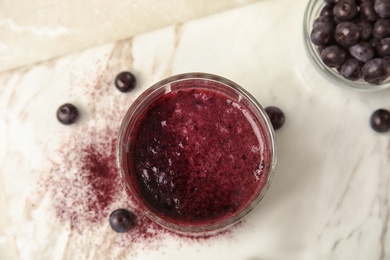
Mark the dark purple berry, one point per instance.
(375, 71)
(387, 58)
(125, 81)
(381, 29)
(320, 49)
(337, 21)
(382, 8)
(345, 10)
(276, 116)
(331, 2)
(351, 69)
(362, 51)
(383, 47)
(380, 120)
(334, 56)
(365, 29)
(367, 11)
(121, 220)
(327, 10)
(322, 34)
(374, 42)
(347, 34)
(67, 114)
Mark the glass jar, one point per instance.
(196, 152)
(312, 12)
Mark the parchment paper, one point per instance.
(33, 31)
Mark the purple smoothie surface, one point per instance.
(198, 156)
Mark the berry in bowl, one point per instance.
(348, 42)
(196, 152)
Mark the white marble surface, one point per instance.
(330, 195)
(39, 30)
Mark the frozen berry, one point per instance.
(367, 11)
(347, 34)
(67, 114)
(322, 34)
(125, 81)
(334, 56)
(382, 8)
(375, 71)
(121, 220)
(365, 29)
(276, 116)
(380, 121)
(345, 10)
(381, 28)
(362, 51)
(327, 10)
(383, 47)
(351, 69)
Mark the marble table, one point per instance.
(329, 198)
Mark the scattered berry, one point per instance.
(276, 116)
(380, 121)
(67, 114)
(125, 81)
(121, 220)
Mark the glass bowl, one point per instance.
(312, 12)
(175, 163)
